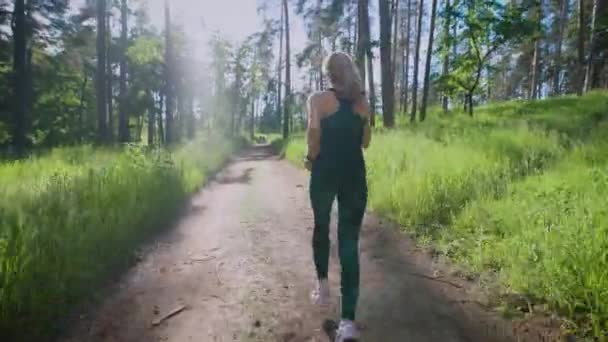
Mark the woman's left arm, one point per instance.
(362, 108)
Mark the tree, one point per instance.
(535, 69)
(287, 105)
(364, 49)
(487, 26)
(388, 84)
(363, 37)
(123, 119)
(557, 70)
(280, 64)
(406, 61)
(169, 79)
(417, 61)
(109, 75)
(446, 44)
(592, 37)
(427, 70)
(102, 108)
(19, 69)
(581, 48)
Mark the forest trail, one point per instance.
(239, 265)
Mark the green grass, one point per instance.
(517, 193)
(71, 218)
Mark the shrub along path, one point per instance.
(238, 267)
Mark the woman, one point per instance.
(338, 130)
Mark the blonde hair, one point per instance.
(343, 76)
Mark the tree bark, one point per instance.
(581, 48)
(388, 84)
(280, 67)
(417, 61)
(287, 106)
(534, 84)
(123, 119)
(396, 22)
(590, 60)
(320, 46)
(427, 69)
(151, 119)
(363, 38)
(20, 77)
(169, 78)
(563, 20)
(109, 77)
(445, 101)
(406, 76)
(100, 80)
(161, 126)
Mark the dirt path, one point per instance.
(240, 261)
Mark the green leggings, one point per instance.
(351, 192)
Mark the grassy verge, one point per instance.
(68, 219)
(518, 193)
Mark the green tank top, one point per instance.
(341, 139)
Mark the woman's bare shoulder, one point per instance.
(320, 96)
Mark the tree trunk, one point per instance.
(469, 100)
(287, 106)
(109, 77)
(590, 60)
(563, 20)
(363, 39)
(280, 66)
(406, 76)
(581, 48)
(445, 101)
(81, 106)
(427, 69)
(536, 54)
(20, 80)
(101, 89)
(252, 121)
(169, 79)
(396, 22)
(320, 46)
(123, 119)
(161, 126)
(151, 119)
(417, 61)
(388, 84)
(190, 130)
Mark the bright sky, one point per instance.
(233, 19)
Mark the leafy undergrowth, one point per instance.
(518, 191)
(72, 217)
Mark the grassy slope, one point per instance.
(517, 192)
(70, 218)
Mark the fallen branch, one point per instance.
(165, 317)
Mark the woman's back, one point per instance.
(338, 130)
(342, 138)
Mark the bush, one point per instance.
(69, 219)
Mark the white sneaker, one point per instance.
(347, 332)
(320, 295)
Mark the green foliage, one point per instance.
(72, 217)
(518, 192)
(487, 26)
